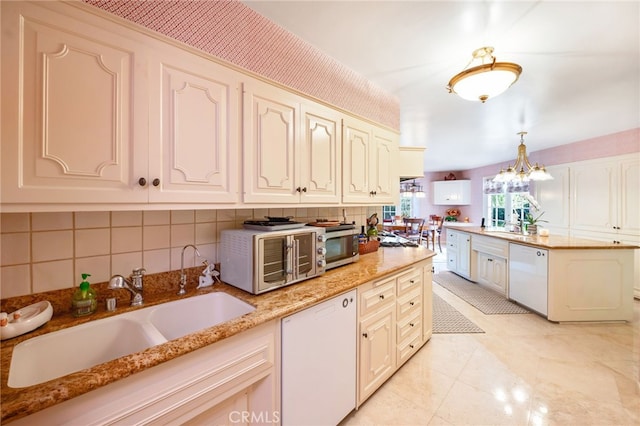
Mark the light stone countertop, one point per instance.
(20, 402)
(552, 242)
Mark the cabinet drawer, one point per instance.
(452, 238)
(408, 348)
(409, 281)
(489, 245)
(374, 299)
(409, 325)
(409, 303)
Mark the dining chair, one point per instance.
(433, 230)
(413, 229)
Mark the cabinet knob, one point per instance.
(412, 303)
(382, 296)
(412, 281)
(298, 189)
(365, 335)
(411, 346)
(412, 324)
(142, 181)
(155, 182)
(304, 189)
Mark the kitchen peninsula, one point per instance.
(580, 280)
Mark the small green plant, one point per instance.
(533, 220)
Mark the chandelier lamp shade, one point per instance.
(522, 170)
(486, 80)
(411, 189)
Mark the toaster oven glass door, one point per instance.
(286, 259)
(273, 253)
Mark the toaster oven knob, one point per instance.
(322, 238)
(322, 250)
(322, 263)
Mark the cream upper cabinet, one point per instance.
(370, 164)
(605, 195)
(95, 112)
(321, 154)
(193, 128)
(74, 108)
(553, 197)
(291, 147)
(452, 192)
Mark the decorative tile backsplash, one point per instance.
(48, 251)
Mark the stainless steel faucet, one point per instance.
(183, 276)
(134, 285)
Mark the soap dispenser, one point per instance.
(85, 299)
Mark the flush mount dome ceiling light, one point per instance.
(484, 81)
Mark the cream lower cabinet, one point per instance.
(370, 164)
(377, 335)
(94, 112)
(392, 317)
(459, 253)
(292, 148)
(492, 272)
(233, 381)
(427, 300)
(489, 265)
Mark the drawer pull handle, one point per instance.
(365, 335)
(382, 296)
(412, 324)
(411, 346)
(412, 303)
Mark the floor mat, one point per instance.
(487, 301)
(447, 320)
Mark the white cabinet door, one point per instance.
(270, 137)
(594, 196)
(292, 148)
(464, 254)
(427, 303)
(377, 358)
(370, 169)
(605, 195)
(385, 175)
(321, 154)
(194, 129)
(553, 197)
(629, 202)
(73, 114)
(452, 192)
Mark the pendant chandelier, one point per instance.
(411, 189)
(484, 81)
(522, 170)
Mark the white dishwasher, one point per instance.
(319, 363)
(528, 268)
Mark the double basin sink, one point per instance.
(66, 351)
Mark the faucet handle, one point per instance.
(138, 272)
(136, 277)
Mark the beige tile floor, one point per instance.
(523, 370)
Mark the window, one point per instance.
(505, 207)
(389, 212)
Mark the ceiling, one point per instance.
(580, 60)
